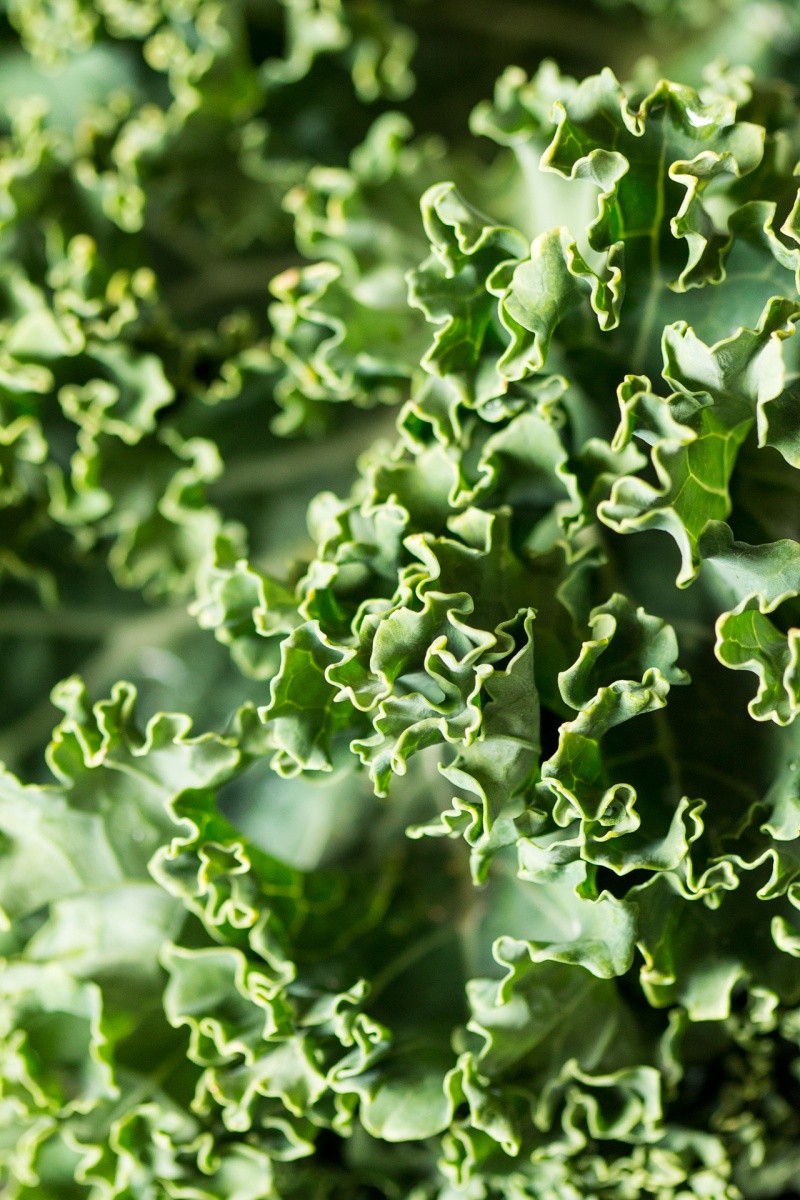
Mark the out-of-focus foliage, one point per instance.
(156, 162)
(449, 851)
(142, 218)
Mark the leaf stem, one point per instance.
(618, 44)
(410, 956)
(80, 624)
(650, 306)
(122, 649)
(301, 462)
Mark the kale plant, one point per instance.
(444, 847)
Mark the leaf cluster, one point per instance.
(480, 879)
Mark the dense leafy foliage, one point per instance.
(445, 848)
